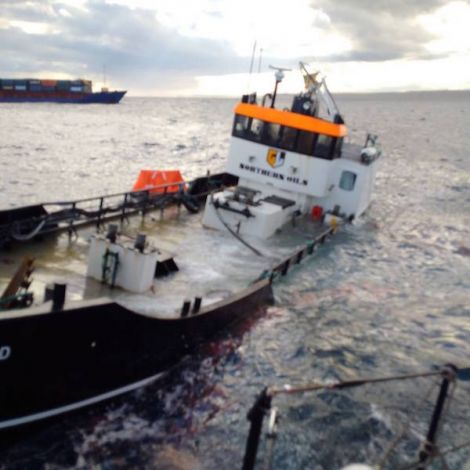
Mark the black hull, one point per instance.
(55, 362)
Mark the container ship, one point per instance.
(55, 91)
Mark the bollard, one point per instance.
(285, 268)
(185, 309)
(112, 233)
(197, 304)
(56, 293)
(139, 243)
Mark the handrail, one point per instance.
(105, 196)
(262, 406)
(98, 209)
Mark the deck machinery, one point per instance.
(292, 162)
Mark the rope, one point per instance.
(443, 462)
(450, 450)
(455, 448)
(240, 239)
(405, 427)
(271, 435)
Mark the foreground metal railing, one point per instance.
(263, 407)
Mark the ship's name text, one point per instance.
(273, 174)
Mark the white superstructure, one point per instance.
(290, 162)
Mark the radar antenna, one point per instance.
(279, 76)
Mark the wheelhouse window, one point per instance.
(256, 129)
(338, 145)
(247, 128)
(323, 147)
(271, 133)
(305, 142)
(348, 180)
(240, 125)
(287, 138)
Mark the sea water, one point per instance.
(387, 296)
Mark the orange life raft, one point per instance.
(159, 181)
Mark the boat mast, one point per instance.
(251, 65)
(104, 76)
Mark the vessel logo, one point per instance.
(275, 158)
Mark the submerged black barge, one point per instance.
(59, 356)
(55, 361)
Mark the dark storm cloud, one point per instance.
(135, 48)
(380, 29)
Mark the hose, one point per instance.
(190, 203)
(236, 235)
(28, 236)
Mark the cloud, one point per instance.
(34, 10)
(160, 47)
(380, 30)
(135, 48)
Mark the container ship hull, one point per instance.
(104, 97)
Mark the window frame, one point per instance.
(354, 181)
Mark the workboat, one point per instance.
(144, 293)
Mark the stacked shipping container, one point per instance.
(35, 85)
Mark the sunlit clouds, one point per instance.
(204, 47)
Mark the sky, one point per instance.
(205, 47)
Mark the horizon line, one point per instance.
(341, 93)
